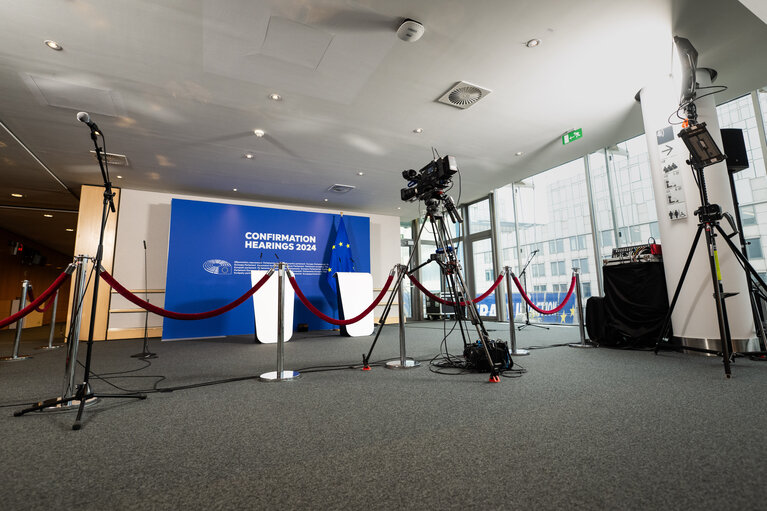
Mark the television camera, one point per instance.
(430, 183)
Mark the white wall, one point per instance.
(146, 216)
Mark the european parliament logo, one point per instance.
(217, 267)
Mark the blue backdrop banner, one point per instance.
(213, 247)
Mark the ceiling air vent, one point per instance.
(463, 95)
(119, 160)
(341, 188)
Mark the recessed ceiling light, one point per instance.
(519, 153)
(17, 195)
(398, 207)
(119, 177)
(418, 130)
(47, 215)
(234, 189)
(70, 230)
(258, 133)
(360, 173)
(325, 200)
(275, 97)
(248, 156)
(532, 43)
(53, 45)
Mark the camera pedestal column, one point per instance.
(403, 362)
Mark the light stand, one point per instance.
(704, 152)
(145, 353)
(523, 274)
(84, 392)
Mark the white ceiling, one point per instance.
(179, 86)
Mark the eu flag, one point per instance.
(340, 255)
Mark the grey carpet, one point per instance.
(581, 429)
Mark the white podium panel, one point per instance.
(356, 290)
(265, 307)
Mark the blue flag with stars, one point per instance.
(340, 255)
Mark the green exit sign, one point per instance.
(572, 135)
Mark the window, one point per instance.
(747, 215)
(578, 243)
(539, 289)
(556, 246)
(623, 195)
(582, 263)
(754, 248)
(479, 216)
(557, 268)
(586, 289)
(607, 239)
(539, 270)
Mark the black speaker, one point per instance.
(734, 146)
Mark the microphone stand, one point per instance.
(523, 274)
(145, 353)
(84, 395)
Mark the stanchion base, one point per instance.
(46, 347)
(73, 404)
(579, 345)
(397, 364)
(272, 376)
(520, 353)
(15, 359)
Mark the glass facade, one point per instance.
(573, 215)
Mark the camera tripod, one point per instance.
(446, 258)
(709, 216)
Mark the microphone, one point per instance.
(85, 118)
(144, 244)
(535, 251)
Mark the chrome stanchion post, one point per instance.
(19, 327)
(50, 345)
(78, 296)
(512, 329)
(403, 362)
(579, 303)
(280, 374)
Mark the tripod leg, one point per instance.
(667, 319)
(721, 311)
(751, 272)
(384, 315)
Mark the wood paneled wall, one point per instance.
(12, 273)
(86, 243)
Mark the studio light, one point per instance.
(703, 149)
(688, 63)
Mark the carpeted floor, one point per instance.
(580, 429)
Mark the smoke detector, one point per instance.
(410, 31)
(113, 159)
(463, 95)
(341, 188)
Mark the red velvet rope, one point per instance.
(179, 315)
(32, 298)
(334, 321)
(447, 302)
(36, 303)
(552, 311)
